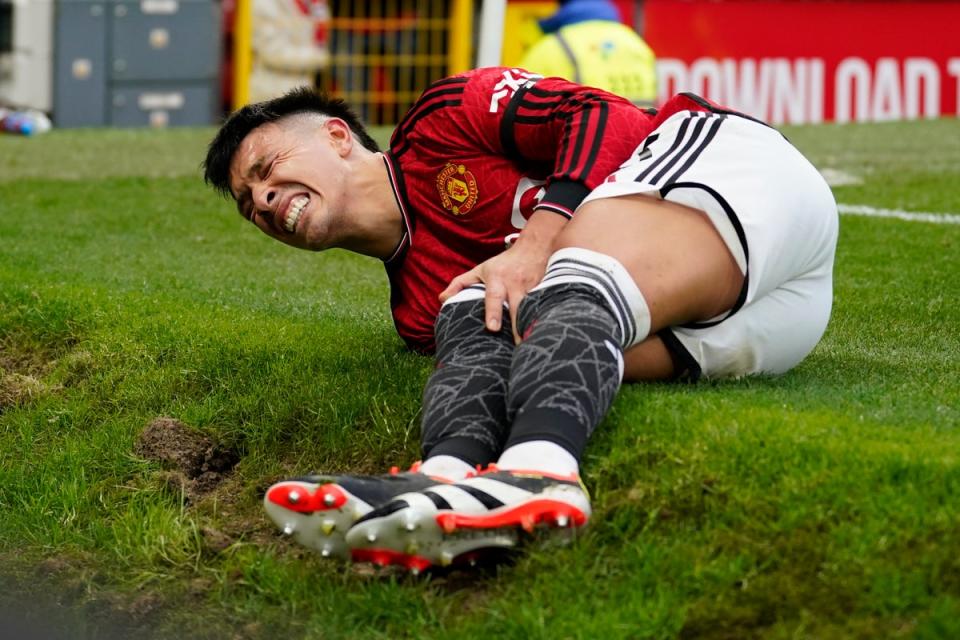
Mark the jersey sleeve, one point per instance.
(585, 133)
(580, 134)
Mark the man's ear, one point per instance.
(340, 135)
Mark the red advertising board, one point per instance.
(811, 61)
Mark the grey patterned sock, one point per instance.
(566, 372)
(464, 401)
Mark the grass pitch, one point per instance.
(824, 503)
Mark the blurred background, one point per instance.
(164, 63)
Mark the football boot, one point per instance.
(317, 510)
(458, 522)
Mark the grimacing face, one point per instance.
(289, 178)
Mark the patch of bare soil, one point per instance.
(203, 470)
(20, 360)
(233, 513)
(20, 373)
(193, 463)
(17, 389)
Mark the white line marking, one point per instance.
(912, 216)
(838, 178)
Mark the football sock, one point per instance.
(539, 455)
(568, 368)
(446, 467)
(464, 401)
(566, 372)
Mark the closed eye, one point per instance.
(245, 206)
(266, 168)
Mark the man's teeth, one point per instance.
(293, 213)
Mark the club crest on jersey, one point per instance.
(458, 189)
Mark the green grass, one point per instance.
(822, 504)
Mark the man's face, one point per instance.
(289, 178)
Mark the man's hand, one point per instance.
(507, 276)
(510, 275)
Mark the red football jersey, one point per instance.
(475, 156)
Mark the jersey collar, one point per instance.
(396, 181)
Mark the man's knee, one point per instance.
(601, 275)
(461, 317)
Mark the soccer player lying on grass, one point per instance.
(708, 251)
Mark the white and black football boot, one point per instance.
(317, 510)
(455, 523)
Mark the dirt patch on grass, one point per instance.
(21, 371)
(193, 463)
(14, 359)
(17, 389)
(225, 503)
(233, 513)
(203, 471)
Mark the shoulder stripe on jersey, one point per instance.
(449, 89)
(447, 81)
(429, 96)
(525, 101)
(403, 146)
(446, 86)
(540, 92)
(533, 105)
(535, 100)
(451, 94)
(714, 127)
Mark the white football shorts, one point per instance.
(777, 216)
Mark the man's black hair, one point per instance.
(241, 122)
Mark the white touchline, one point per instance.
(913, 216)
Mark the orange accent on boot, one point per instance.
(298, 497)
(447, 521)
(526, 515)
(417, 564)
(385, 557)
(528, 522)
